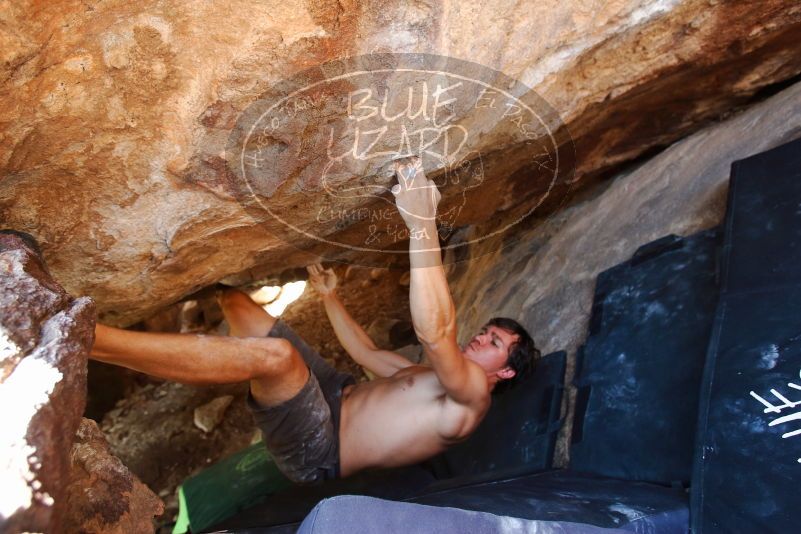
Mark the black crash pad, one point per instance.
(639, 373)
(749, 437)
(763, 221)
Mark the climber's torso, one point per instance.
(401, 420)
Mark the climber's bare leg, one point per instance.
(246, 318)
(275, 369)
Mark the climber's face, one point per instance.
(490, 349)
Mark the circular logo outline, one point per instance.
(550, 133)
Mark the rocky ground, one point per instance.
(153, 428)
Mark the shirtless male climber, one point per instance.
(316, 422)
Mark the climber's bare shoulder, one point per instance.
(404, 418)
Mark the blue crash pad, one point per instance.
(639, 373)
(366, 515)
(749, 437)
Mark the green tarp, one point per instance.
(220, 491)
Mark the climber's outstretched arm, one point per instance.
(350, 334)
(433, 312)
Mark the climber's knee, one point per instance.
(280, 374)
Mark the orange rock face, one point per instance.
(116, 118)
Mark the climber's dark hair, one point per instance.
(523, 354)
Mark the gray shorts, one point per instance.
(302, 433)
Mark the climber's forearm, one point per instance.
(433, 313)
(350, 334)
(358, 344)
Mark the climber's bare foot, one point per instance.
(244, 316)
